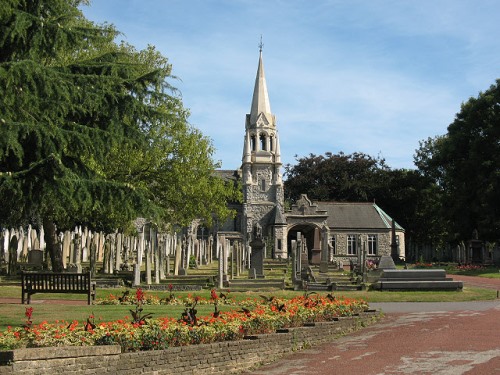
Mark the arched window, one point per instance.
(263, 145)
(271, 143)
(252, 142)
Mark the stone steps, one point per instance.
(418, 285)
(416, 280)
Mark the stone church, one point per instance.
(330, 231)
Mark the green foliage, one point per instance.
(405, 194)
(337, 177)
(465, 164)
(91, 132)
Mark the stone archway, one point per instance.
(307, 231)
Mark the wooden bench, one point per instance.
(51, 282)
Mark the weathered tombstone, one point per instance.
(77, 253)
(295, 265)
(316, 250)
(178, 255)
(182, 272)
(323, 267)
(221, 264)
(257, 256)
(118, 251)
(386, 263)
(12, 270)
(93, 257)
(148, 263)
(106, 258)
(137, 274)
(252, 273)
(66, 247)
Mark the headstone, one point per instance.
(295, 265)
(178, 253)
(118, 251)
(257, 256)
(66, 247)
(252, 273)
(323, 267)
(386, 263)
(148, 262)
(12, 270)
(182, 272)
(316, 250)
(137, 275)
(93, 257)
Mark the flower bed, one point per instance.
(140, 332)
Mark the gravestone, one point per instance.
(316, 250)
(252, 274)
(258, 249)
(137, 275)
(386, 263)
(257, 256)
(13, 256)
(35, 258)
(295, 262)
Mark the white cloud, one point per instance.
(375, 77)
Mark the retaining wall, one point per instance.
(218, 358)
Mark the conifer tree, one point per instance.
(91, 132)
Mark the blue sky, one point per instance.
(371, 76)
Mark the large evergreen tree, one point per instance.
(465, 164)
(91, 132)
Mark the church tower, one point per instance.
(263, 194)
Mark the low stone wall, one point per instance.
(224, 358)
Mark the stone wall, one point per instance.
(224, 358)
(383, 243)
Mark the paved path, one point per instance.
(420, 338)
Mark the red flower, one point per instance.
(29, 312)
(213, 294)
(139, 294)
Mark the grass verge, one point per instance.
(13, 314)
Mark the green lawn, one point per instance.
(13, 314)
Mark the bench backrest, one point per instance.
(48, 281)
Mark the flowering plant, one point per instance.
(145, 333)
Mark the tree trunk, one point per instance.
(53, 248)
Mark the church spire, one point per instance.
(260, 100)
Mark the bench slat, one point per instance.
(78, 283)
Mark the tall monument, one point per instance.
(263, 194)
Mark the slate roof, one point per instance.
(348, 215)
(278, 218)
(227, 174)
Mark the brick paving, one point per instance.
(414, 338)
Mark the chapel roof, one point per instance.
(349, 215)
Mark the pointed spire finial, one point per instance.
(261, 44)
